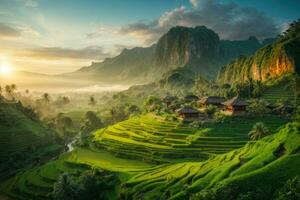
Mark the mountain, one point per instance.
(131, 65)
(198, 50)
(271, 61)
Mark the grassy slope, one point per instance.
(136, 161)
(280, 89)
(159, 141)
(21, 136)
(252, 167)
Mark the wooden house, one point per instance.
(188, 113)
(235, 105)
(190, 98)
(212, 100)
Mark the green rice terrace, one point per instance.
(154, 157)
(280, 90)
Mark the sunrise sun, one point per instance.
(5, 69)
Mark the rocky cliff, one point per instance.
(271, 61)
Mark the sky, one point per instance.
(60, 36)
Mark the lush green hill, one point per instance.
(134, 148)
(261, 166)
(159, 141)
(149, 154)
(23, 138)
(271, 61)
(281, 89)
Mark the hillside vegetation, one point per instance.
(198, 50)
(159, 141)
(23, 138)
(271, 61)
(154, 157)
(260, 167)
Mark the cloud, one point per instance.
(9, 32)
(31, 3)
(229, 20)
(194, 3)
(88, 53)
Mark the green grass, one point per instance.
(152, 156)
(252, 167)
(279, 90)
(155, 140)
(23, 140)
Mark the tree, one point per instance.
(132, 109)
(295, 86)
(201, 85)
(65, 100)
(257, 107)
(291, 190)
(153, 103)
(8, 90)
(257, 89)
(258, 131)
(46, 98)
(91, 122)
(210, 110)
(65, 188)
(92, 101)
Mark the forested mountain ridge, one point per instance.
(271, 61)
(198, 50)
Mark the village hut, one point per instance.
(190, 98)
(188, 113)
(212, 100)
(235, 105)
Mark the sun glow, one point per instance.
(5, 69)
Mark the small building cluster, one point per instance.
(234, 106)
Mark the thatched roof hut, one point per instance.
(235, 104)
(212, 100)
(188, 113)
(191, 98)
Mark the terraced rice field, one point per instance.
(38, 183)
(153, 140)
(280, 91)
(255, 166)
(139, 148)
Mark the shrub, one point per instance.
(257, 107)
(210, 110)
(290, 191)
(219, 117)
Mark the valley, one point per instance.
(202, 103)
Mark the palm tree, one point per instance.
(46, 98)
(258, 131)
(8, 90)
(13, 87)
(65, 100)
(92, 101)
(65, 188)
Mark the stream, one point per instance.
(70, 145)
